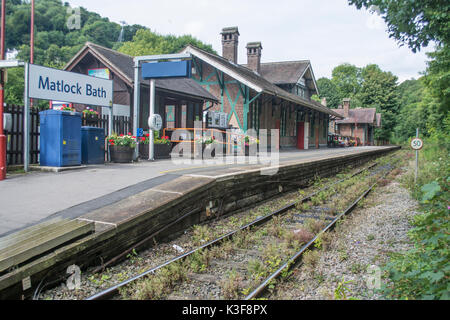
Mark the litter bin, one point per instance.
(60, 138)
(92, 145)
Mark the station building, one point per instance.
(178, 101)
(263, 95)
(359, 123)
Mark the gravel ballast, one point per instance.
(365, 239)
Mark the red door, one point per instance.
(300, 135)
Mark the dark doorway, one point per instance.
(300, 135)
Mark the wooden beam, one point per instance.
(243, 91)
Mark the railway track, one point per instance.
(242, 263)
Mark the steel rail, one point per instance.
(106, 294)
(296, 257)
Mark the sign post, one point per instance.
(173, 66)
(416, 144)
(151, 146)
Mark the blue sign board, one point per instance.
(170, 69)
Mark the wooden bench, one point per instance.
(34, 241)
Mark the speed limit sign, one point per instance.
(417, 144)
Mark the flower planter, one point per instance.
(91, 119)
(121, 154)
(161, 151)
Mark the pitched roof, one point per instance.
(284, 72)
(253, 80)
(359, 115)
(123, 65)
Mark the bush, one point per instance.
(423, 272)
(122, 140)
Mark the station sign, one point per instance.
(167, 69)
(53, 84)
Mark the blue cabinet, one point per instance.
(92, 145)
(60, 138)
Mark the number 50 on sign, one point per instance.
(416, 144)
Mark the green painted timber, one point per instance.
(25, 245)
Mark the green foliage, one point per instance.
(329, 90)
(340, 293)
(423, 272)
(437, 79)
(367, 87)
(347, 79)
(146, 42)
(379, 91)
(122, 140)
(14, 88)
(414, 23)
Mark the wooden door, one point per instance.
(317, 136)
(300, 135)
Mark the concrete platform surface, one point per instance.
(27, 199)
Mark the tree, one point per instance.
(14, 87)
(329, 91)
(437, 79)
(379, 91)
(347, 79)
(412, 113)
(146, 42)
(415, 23)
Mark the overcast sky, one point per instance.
(327, 32)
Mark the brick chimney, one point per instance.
(230, 40)
(324, 102)
(254, 56)
(346, 103)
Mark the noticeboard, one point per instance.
(168, 69)
(216, 119)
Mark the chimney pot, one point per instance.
(254, 56)
(230, 40)
(346, 104)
